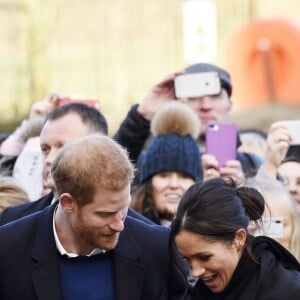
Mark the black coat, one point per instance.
(275, 277)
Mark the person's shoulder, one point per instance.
(18, 238)
(150, 240)
(145, 230)
(277, 265)
(13, 213)
(24, 228)
(17, 233)
(19, 224)
(140, 223)
(276, 281)
(136, 215)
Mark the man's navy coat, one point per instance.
(29, 261)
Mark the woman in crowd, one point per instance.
(289, 172)
(282, 160)
(210, 232)
(284, 225)
(170, 164)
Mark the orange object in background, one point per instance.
(264, 61)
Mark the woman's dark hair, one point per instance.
(216, 209)
(141, 197)
(141, 201)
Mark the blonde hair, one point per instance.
(253, 142)
(11, 193)
(94, 161)
(274, 191)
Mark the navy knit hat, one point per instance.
(174, 147)
(204, 67)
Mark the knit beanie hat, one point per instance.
(223, 75)
(174, 147)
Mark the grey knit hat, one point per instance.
(204, 67)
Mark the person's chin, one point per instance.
(167, 213)
(109, 242)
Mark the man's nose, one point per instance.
(117, 223)
(205, 102)
(50, 157)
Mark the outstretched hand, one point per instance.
(278, 142)
(43, 107)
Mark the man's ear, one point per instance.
(67, 202)
(240, 238)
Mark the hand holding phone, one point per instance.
(221, 141)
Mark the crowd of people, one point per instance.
(148, 213)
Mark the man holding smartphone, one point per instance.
(135, 129)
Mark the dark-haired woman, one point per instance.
(210, 232)
(170, 164)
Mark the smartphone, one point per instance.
(271, 227)
(221, 141)
(293, 127)
(89, 102)
(197, 85)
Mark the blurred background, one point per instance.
(115, 50)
